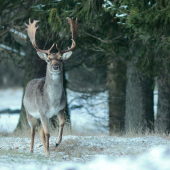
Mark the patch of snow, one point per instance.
(123, 6)
(121, 15)
(94, 113)
(11, 98)
(155, 97)
(18, 33)
(11, 49)
(8, 122)
(108, 4)
(120, 23)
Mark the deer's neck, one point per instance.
(54, 84)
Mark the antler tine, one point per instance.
(31, 30)
(51, 47)
(70, 49)
(58, 48)
(29, 21)
(74, 26)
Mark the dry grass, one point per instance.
(140, 133)
(25, 133)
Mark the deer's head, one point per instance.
(54, 60)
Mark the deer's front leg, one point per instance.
(42, 135)
(45, 125)
(60, 116)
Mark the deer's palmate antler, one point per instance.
(74, 29)
(31, 30)
(45, 97)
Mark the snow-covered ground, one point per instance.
(8, 122)
(10, 98)
(93, 116)
(87, 153)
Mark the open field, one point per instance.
(79, 151)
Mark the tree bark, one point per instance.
(139, 101)
(163, 112)
(67, 113)
(116, 83)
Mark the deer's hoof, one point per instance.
(55, 147)
(48, 153)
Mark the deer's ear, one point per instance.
(66, 55)
(43, 56)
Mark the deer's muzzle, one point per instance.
(55, 68)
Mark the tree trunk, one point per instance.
(67, 114)
(116, 83)
(163, 112)
(139, 101)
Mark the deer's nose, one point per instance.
(55, 67)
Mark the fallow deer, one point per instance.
(45, 97)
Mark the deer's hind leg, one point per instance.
(32, 122)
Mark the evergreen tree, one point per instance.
(139, 75)
(100, 33)
(148, 21)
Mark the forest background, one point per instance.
(122, 49)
